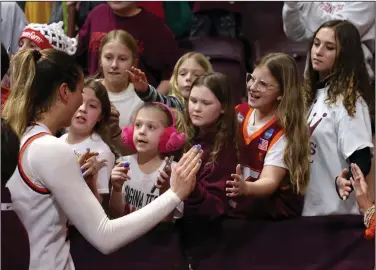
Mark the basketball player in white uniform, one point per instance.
(47, 188)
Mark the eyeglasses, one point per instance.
(261, 85)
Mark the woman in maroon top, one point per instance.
(211, 120)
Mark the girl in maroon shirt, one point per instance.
(212, 124)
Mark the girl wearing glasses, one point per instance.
(339, 118)
(275, 156)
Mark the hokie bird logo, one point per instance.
(312, 128)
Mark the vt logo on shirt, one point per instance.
(269, 133)
(312, 128)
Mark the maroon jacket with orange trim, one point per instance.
(283, 203)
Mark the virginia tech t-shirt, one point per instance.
(335, 136)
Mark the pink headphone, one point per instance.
(171, 140)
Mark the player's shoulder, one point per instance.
(63, 137)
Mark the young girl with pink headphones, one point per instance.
(152, 135)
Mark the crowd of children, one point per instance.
(293, 149)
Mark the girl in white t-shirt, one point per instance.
(152, 135)
(338, 117)
(118, 53)
(275, 154)
(302, 19)
(88, 130)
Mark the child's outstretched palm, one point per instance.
(138, 78)
(237, 187)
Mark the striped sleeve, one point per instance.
(152, 95)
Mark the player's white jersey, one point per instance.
(47, 189)
(95, 143)
(335, 136)
(38, 210)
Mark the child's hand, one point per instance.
(92, 166)
(85, 156)
(343, 185)
(163, 180)
(238, 186)
(138, 78)
(119, 176)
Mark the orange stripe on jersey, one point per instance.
(275, 139)
(20, 169)
(245, 123)
(247, 138)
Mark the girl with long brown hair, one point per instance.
(274, 170)
(210, 121)
(89, 129)
(339, 117)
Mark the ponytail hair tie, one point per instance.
(37, 55)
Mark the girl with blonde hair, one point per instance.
(190, 66)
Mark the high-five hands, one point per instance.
(184, 172)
